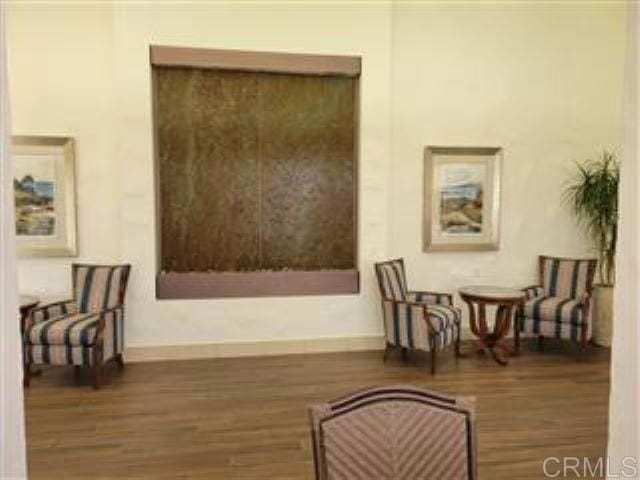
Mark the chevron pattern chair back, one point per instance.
(395, 432)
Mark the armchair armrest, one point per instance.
(45, 312)
(50, 310)
(585, 299)
(102, 320)
(533, 291)
(432, 298)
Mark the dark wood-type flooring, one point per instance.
(246, 418)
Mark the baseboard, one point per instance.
(252, 349)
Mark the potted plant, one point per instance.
(593, 197)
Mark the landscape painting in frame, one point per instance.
(462, 198)
(44, 194)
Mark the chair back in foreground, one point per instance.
(394, 432)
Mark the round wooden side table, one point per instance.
(506, 300)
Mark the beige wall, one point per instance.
(61, 81)
(542, 81)
(310, 28)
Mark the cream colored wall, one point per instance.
(309, 28)
(543, 82)
(61, 81)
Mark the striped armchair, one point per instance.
(86, 331)
(394, 432)
(415, 320)
(559, 306)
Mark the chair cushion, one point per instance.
(405, 324)
(560, 330)
(553, 309)
(71, 339)
(446, 321)
(74, 330)
(443, 317)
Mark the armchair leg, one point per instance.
(387, 349)
(120, 361)
(96, 374)
(582, 348)
(457, 351)
(540, 343)
(77, 369)
(96, 370)
(516, 336)
(405, 353)
(433, 361)
(26, 379)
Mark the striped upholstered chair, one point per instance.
(415, 320)
(394, 433)
(559, 306)
(86, 331)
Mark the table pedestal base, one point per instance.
(492, 342)
(500, 351)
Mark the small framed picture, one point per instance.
(44, 192)
(461, 198)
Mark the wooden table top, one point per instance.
(491, 292)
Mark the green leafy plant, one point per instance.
(593, 197)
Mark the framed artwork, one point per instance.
(461, 198)
(44, 192)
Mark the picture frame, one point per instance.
(45, 197)
(462, 198)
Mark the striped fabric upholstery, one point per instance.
(68, 307)
(406, 313)
(406, 326)
(97, 288)
(566, 278)
(393, 280)
(78, 329)
(533, 292)
(557, 308)
(393, 286)
(554, 317)
(430, 298)
(559, 330)
(394, 433)
(69, 340)
(65, 333)
(554, 309)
